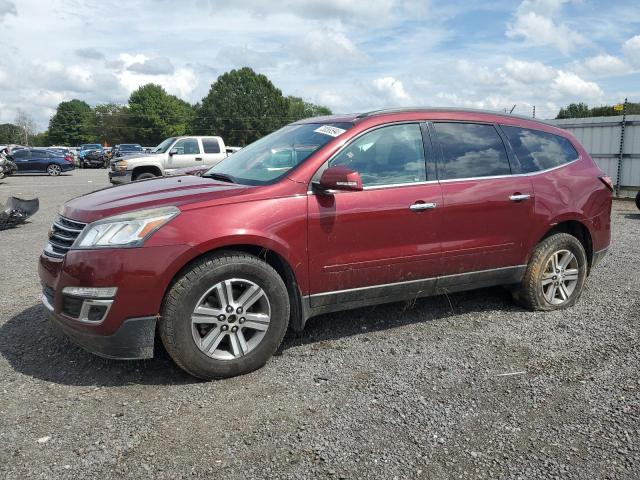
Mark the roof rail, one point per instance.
(386, 111)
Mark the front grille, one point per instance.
(63, 233)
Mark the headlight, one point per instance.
(122, 165)
(127, 230)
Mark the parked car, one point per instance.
(125, 149)
(171, 154)
(87, 147)
(42, 160)
(323, 215)
(95, 159)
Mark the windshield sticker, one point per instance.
(329, 130)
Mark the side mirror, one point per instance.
(340, 178)
(173, 151)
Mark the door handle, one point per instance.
(519, 197)
(198, 159)
(418, 206)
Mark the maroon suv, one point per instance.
(326, 214)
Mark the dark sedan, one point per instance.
(40, 160)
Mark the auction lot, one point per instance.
(468, 385)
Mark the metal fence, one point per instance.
(614, 143)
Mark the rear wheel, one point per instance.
(225, 316)
(555, 276)
(638, 200)
(54, 170)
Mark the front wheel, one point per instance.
(225, 316)
(555, 276)
(638, 200)
(54, 170)
(145, 176)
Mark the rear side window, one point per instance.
(538, 150)
(210, 145)
(20, 154)
(470, 150)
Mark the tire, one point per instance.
(53, 170)
(638, 200)
(144, 176)
(192, 345)
(533, 295)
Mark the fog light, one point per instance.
(91, 292)
(96, 313)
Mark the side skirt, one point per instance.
(395, 292)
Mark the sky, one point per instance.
(349, 55)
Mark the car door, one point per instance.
(212, 152)
(487, 211)
(380, 242)
(186, 153)
(22, 159)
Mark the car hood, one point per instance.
(137, 155)
(152, 193)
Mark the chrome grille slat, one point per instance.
(63, 233)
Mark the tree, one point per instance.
(242, 106)
(72, 124)
(574, 110)
(155, 115)
(299, 109)
(111, 124)
(40, 139)
(25, 124)
(578, 110)
(10, 133)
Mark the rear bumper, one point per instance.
(133, 340)
(118, 178)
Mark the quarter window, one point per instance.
(470, 150)
(187, 146)
(210, 145)
(386, 156)
(538, 150)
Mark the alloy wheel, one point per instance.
(53, 170)
(231, 319)
(560, 277)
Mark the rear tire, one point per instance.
(204, 328)
(144, 176)
(53, 170)
(555, 276)
(638, 200)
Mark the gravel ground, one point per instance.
(465, 386)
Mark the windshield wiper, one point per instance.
(220, 176)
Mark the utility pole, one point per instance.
(622, 125)
(534, 111)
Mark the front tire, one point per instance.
(638, 200)
(225, 316)
(555, 275)
(145, 176)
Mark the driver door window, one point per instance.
(187, 146)
(390, 155)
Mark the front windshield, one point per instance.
(91, 146)
(164, 146)
(271, 157)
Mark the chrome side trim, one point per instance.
(45, 302)
(409, 282)
(530, 174)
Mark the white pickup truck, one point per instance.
(171, 154)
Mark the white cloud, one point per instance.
(7, 7)
(529, 72)
(631, 49)
(180, 83)
(391, 89)
(327, 50)
(534, 21)
(153, 66)
(568, 83)
(605, 65)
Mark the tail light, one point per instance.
(68, 158)
(607, 181)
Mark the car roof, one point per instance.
(358, 117)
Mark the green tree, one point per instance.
(111, 124)
(72, 124)
(155, 115)
(574, 110)
(242, 106)
(10, 133)
(40, 139)
(299, 109)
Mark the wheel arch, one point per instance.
(146, 169)
(272, 258)
(577, 229)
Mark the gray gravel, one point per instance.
(396, 391)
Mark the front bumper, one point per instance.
(119, 177)
(598, 256)
(133, 340)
